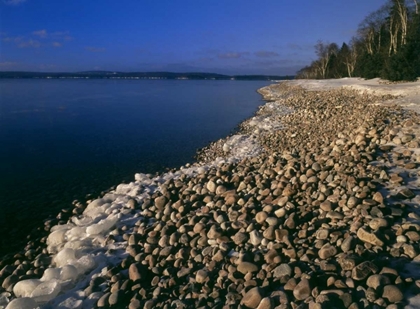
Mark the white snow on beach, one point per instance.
(83, 248)
(409, 91)
(409, 98)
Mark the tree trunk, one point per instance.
(403, 19)
(393, 32)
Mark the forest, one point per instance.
(386, 45)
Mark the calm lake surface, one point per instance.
(63, 139)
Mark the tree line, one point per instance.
(387, 45)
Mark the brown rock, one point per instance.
(347, 262)
(392, 293)
(135, 271)
(363, 270)
(327, 251)
(240, 238)
(302, 290)
(413, 235)
(370, 238)
(247, 267)
(9, 282)
(261, 217)
(160, 202)
(326, 206)
(352, 202)
(272, 256)
(255, 237)
(211, 186)
(266, 303)
(347, 244)
(375, 281)
(201, 276)
(282, 270)
(252, 298)
(377, 223)
(378, 197)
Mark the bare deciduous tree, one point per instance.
(403, 19)
(350, 59)
(398, 25)
(324, 51)
(370, 29)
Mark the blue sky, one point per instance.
(220, 36)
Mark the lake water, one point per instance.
(63, 139)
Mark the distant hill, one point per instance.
(138, 75)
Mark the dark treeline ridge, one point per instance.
(387, 45)
(138, 75)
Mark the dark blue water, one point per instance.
(63, 139)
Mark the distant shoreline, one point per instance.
(136, 75)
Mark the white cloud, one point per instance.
(41, 33)
(7, 64)
(22, 42)
(235, 55)
(28, 43)
(55, 39)
(61, 35)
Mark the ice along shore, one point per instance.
(314, 203)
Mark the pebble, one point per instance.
(392, 293)
(282, 270)
(247, 267)
(252, 298)
(302, 224)
(363, 270)
(368, 237)
(201, 276)
(327, 251)
(302, 290)
(376, 281)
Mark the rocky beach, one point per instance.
(314, 203)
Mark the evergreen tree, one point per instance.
(387, 45)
